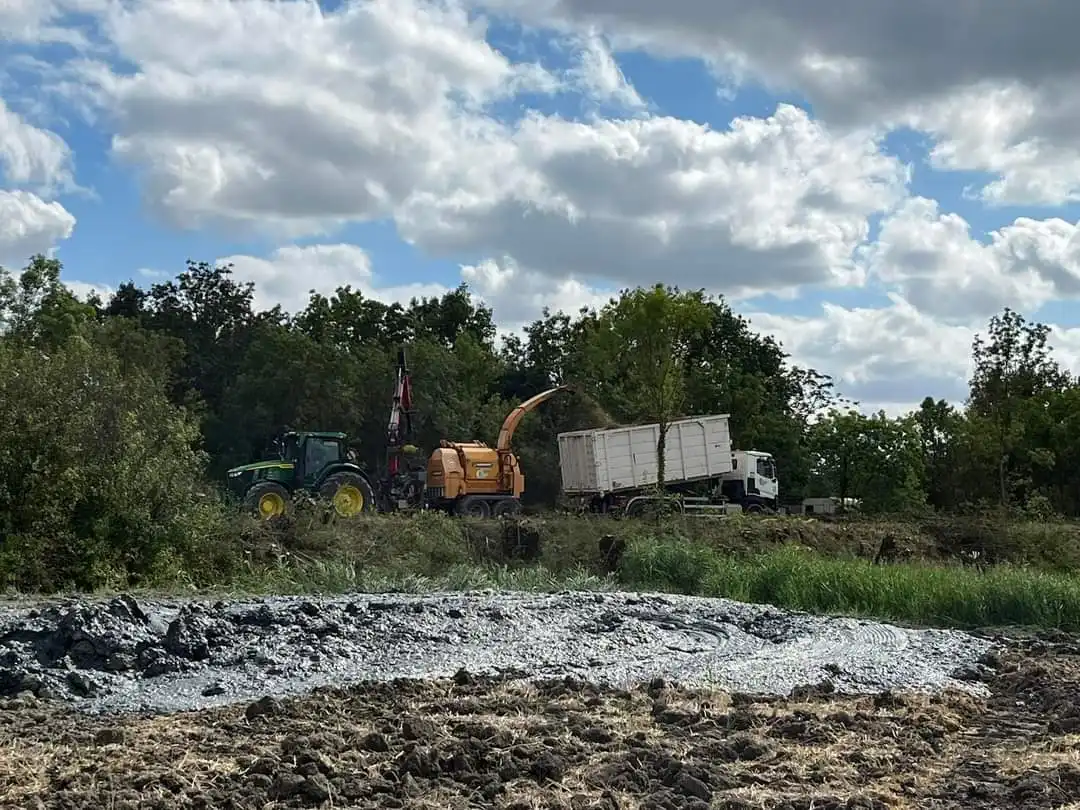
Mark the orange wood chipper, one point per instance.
(475, 480)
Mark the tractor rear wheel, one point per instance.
(267, 500)
(350, 494)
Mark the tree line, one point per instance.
(120, 415)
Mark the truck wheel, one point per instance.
(507, 508)
(473, 506)
(267, 500)
(350, 494)
(755, 509)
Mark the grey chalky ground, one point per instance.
(128, 655)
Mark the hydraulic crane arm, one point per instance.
(514, 418)
(399, 429)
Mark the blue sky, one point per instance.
(849, 327)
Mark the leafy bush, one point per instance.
(101, 481)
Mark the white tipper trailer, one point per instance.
(613, 469)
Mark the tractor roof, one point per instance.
(320, 434)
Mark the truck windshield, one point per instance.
(766, 468)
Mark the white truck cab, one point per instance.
(752, 481)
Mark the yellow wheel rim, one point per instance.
(348, 501)
(271, 505)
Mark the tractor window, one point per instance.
(766, 468)
(320, 452)
(288, 448)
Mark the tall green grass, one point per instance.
(913, 592)
(793, 563)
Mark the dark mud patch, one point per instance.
(484, 742)
(124, 655)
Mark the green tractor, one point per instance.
(319, 463)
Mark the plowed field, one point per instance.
(473, 742)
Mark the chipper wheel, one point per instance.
(510, 507)
(267, 500)
(473, 506)
(349, 493)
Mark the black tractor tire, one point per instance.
(473, 506)
(348, 493)
(268, 500)
(509, 507)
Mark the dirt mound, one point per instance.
(123, 655)
(475, 742)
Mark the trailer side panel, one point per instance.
(624, 459)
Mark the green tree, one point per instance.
(646, 337)
(1013, 366)
(875, 459)
(37, 308)
(938, 425)
(285, 378)
(1061, 423)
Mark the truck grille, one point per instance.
(434, 493)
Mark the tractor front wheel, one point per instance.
(267, 500)
(350, 494)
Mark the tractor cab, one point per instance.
(312, 453)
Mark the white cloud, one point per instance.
(1002, 90)
(1022, 136)
(291, 273)
(283, 115)
(933, 260)
(84, 289)
(771, 204)
(32, 156)
(877, 355)
(855, 60)
(42, 21)
(517, 297)
(24, 20)
(891, 357)
(29, 225)
(599, 76)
